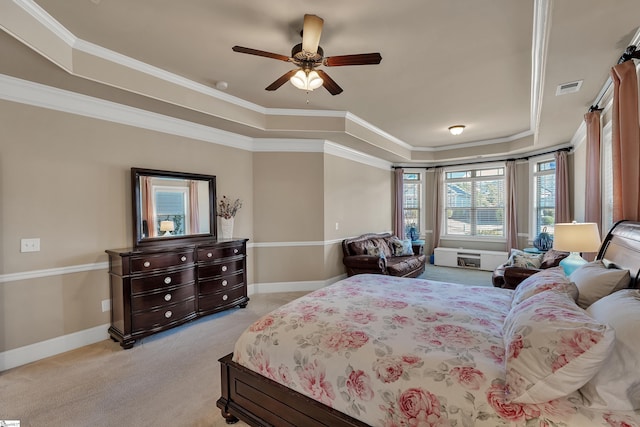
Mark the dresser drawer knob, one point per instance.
(224, 283)
(225, 297)
(167, 297)
(167, 280)
(168, 314)
(224, 268)
(183, 258)
(146, 264)
(235, 251)
(209, 254)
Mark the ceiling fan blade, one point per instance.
(311, 31)
(250, 51)
(282, 80)
(329, 84)
(359, 59)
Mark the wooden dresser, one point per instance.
(157, 288)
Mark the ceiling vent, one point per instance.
(570, 87)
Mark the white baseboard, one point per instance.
(43, 349)
(40, 350)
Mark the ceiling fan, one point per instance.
(308, 55)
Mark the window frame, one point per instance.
(421, 209)
(533, 203)
(184, 193)
(473, 167)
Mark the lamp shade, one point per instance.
(576, 237)
(167, 226)
(306, 80)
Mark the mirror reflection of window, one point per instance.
(171, 205)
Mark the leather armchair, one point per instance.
(509, 277)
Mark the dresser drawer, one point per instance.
(219, 284)
(221, 299)
(162, 299)
(150, 283)
(158, 318)
(214, 252)
(152, 262)
(220, 269)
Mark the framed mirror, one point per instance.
(172, 207)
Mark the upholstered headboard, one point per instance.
(621, 247)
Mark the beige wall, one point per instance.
(298, 199)
(65, 179)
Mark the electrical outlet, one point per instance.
(30, 245)
(106, 305)
(337, 226)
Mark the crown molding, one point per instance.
(542, 22)
(39, 95)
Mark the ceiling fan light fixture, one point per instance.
(456, 129)
(306, 80)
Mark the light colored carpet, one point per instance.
(169, 379)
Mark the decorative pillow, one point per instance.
(396, 246)
(594, 281)
(553, 348)
(616, 386)
(375, 251)
(400, 247)
(407, 247)
(523, 259)
(551, 278)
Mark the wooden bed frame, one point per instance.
(259, 401)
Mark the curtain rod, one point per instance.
(630, 53)
(485, 161)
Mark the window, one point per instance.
(171, 205)
(412, 203)
(544, 196)
(474, 203)
(606, 167)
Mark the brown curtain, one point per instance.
(625, 143)
(563, 212)
(511, 206)
(194, 213)
(398, 222)
(438, 206)
(593, 199)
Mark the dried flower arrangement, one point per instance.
(228, 209)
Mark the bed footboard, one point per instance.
(259, 401)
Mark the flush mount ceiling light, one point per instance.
(456, 129)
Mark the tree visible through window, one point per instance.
(474, 202)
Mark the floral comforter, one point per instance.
(403, 352)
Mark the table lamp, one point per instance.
(167, 227)
(575, 238)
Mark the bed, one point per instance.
(386, 351)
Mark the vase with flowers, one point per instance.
(227, 210)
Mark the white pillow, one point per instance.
(616, 386)
(550, 278)
(553, 347)
(594, 281)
